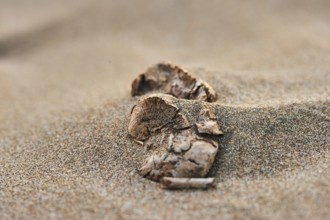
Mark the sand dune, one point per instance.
(273, 162)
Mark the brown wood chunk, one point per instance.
(207, 123)
(153, 113)
(173, 80)
(160, 123)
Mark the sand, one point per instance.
(65, 74)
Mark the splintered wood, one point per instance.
(187, 183)
(181, 146)
(173, 80)
(207, 123)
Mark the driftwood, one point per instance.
(187, 183)
(170, 79)
(182, 134)
(160, 123)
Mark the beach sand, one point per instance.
(65, 75)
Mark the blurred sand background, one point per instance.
(65, 74)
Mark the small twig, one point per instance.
(187, 183)
(137, 141)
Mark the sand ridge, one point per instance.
(90, 156)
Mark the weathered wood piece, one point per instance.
(187, 183)
(159, 123)
(171, 79)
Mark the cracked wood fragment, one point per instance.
(173, 80)
(160, 122)
(207, 123)
(180, 142)
(151, 115)
(162, 126)
(187, 183)
(193, 163)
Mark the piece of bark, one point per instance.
(171, 79)
(152, 114)
(193, 163)
(197, 161)
(187, 183)
(160, 123)
(207, 123)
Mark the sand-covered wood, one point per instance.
(172, 79)
(153, 114)
(161, 124)
(207, 123)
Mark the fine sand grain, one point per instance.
(65, 76)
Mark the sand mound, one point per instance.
(84, 166)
